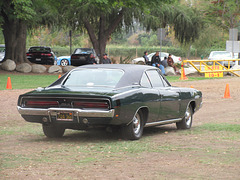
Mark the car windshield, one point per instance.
(94, 77)
(39, 49)
(83, 51)
(220, 54)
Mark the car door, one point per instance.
(169, 96)
(151, 98)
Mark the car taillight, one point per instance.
(74, 57)
(100, 105)
(29, 54)
(46, 54)
(41, 103)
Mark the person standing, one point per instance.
(91, 59)
(106, 60)
(147, 62)
(156, 61)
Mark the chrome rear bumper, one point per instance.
(76, 112)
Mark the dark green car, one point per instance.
(130, 97)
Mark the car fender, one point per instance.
(126, 105)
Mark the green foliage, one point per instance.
(224, 14)
(17, 9)
(187, 22)
(148, 39)
(210, 37)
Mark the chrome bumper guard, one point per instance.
(77, 112)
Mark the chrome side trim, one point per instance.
(77, 112)
(162, 122)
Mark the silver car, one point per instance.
(222, 55)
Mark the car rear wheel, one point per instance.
(134, 130)
(52, 131)
(64, 62)
(186, 122)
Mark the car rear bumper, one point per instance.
(76, 112)
(78, 62)
(80, 118)
(42, 60)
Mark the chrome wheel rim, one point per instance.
(136, 123)
(64, 62)
(188, 116)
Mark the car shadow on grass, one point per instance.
(100, 135)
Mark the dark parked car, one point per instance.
(41, 55)
(79, 56)
(127, 96)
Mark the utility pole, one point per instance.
(70, 37)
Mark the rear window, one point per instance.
(94, 77)
(39, 49)
(83, 51)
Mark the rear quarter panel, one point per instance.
(188, 95)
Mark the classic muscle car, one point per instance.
(127, 96)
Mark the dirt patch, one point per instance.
(162, 153)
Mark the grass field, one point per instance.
(26, 81)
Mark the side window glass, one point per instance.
(145, 81)
(155, 78)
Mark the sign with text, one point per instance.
(213, 74)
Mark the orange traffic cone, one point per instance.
(183, 76)
(59, 76)
(227, 92)
(9, 84)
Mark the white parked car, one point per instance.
(2, 52)
(140, 60)
(222, 55)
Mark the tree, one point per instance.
(18, 16)
(14, 15)
(186, 21)
(101, 18)
(224, 13)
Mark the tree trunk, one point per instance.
(15, 34)
(98, 44)
(104, 32)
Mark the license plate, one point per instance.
(38, 59)
(64, 116)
